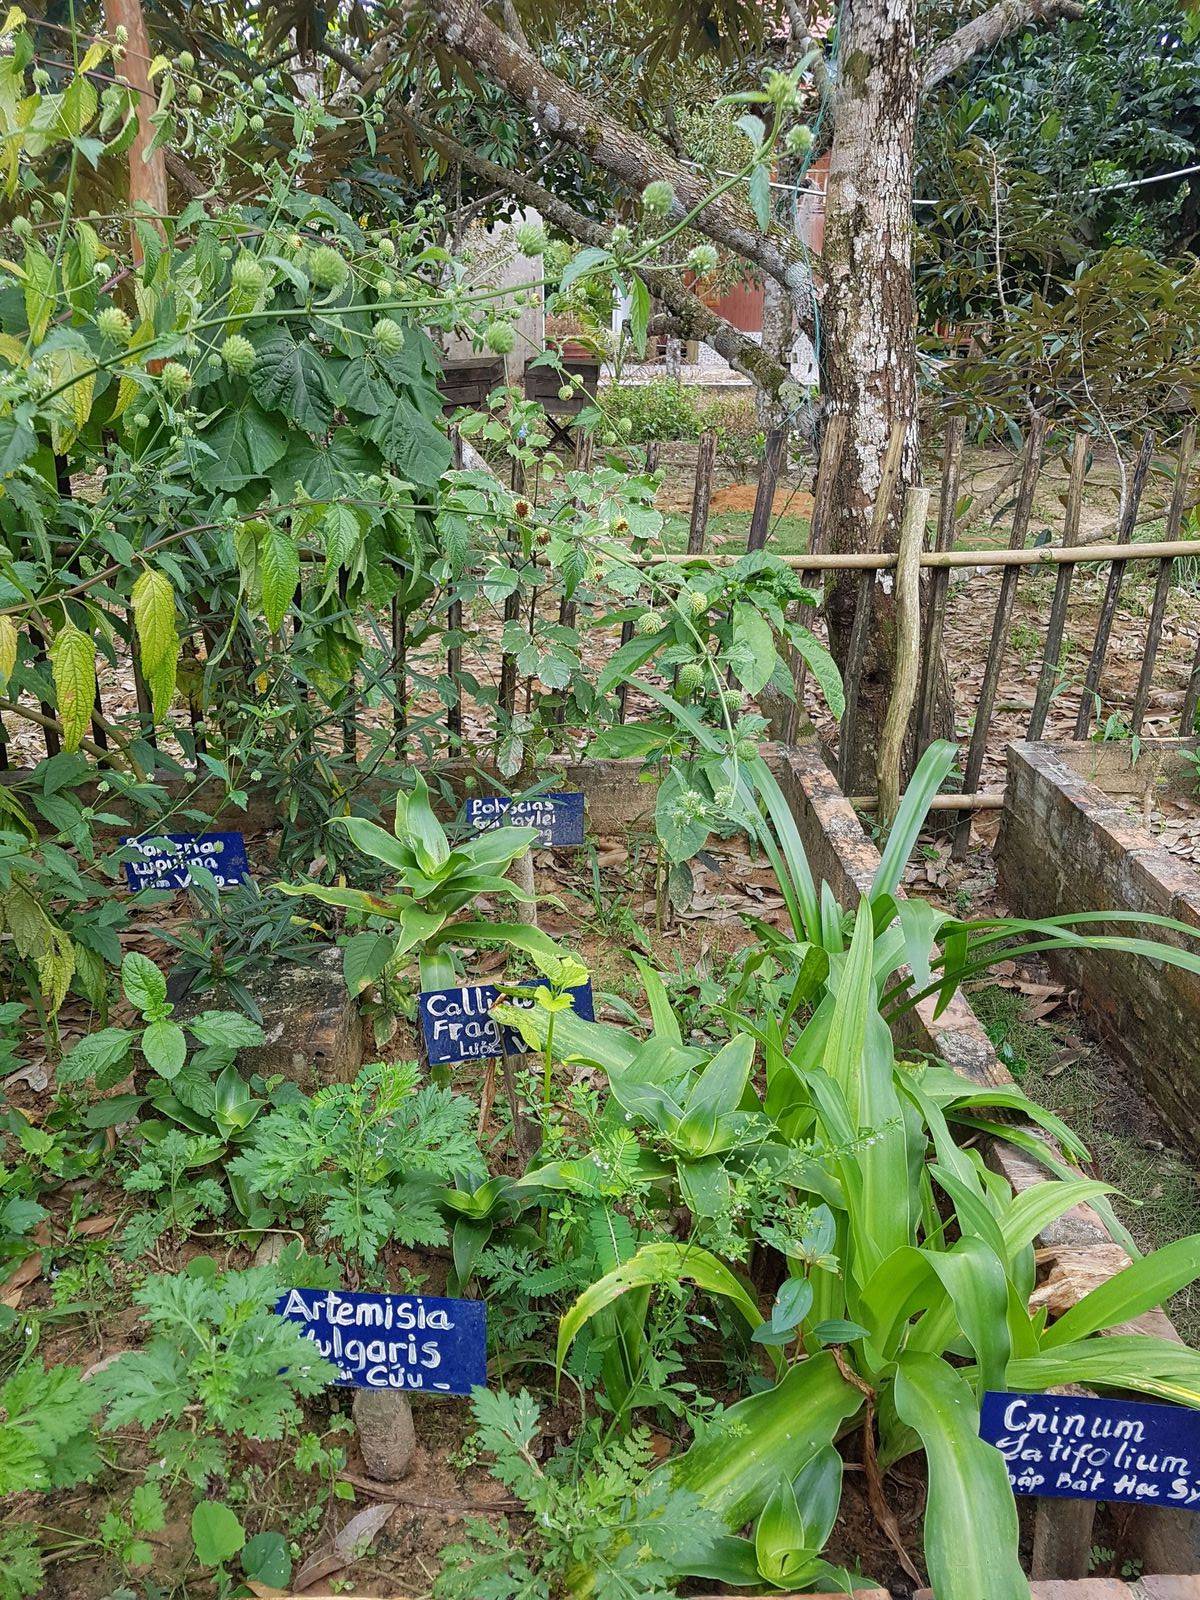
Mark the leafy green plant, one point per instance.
(613, 1512)
(365, 1160)
(435, 883)
(219, 1366)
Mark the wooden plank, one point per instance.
(862, 605)
(507, 693)
(768, 477)
(1112, 594)
(1162, 585)
(1047, 555)
(1062, 590)
(706, 456)
(1030, 472)
(399, 673)
(939, 582)
(908, 650)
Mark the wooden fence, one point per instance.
(920, 610)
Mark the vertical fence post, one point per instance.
(1004, 608)
(1162, 584)
(1112, 594)
(1062, 590)
(908, 650)
(454, 622)
(507, 695)
(706, 455)
(399, 674)
(652, 449)
(764, 499)
(939, 578)
(862, 607)
(829, 460)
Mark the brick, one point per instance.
(1067, 1589)
(1164, 1588)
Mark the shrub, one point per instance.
(661, 409)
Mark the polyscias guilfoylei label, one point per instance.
(394, 1341)
(557, 817)
(1079, 1448)
(458, 1026)
(165, 859)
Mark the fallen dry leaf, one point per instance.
(104, 1361)
(27, 1272)
(348, 1546)
(91, 1226)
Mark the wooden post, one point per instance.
(147, 166)
(507, 694)
(706, 456)
(1004, 608)
(454, 622)
(1112, 594)
(1062, 590)
(939, 578)
(399, 674)
(1162, 585)
(350, 698)
(832, 441)
(652, 449)
(862, 607)
(768, 477)
(908, 651)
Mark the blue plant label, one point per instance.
(457, 1024)
(1079, 1448)
(557, 817)
(394, 1341)
(165, 860)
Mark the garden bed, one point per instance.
(1071, 838)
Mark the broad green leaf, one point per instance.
(8, 650)
(418, 450)
(661, 1263)
(1140, 1362)
(245, 443)
(265, 1560)
(752, 655)
(925, 782)
(144, 985)
(216, 1533)
(287, 376)
(165, 1048)
(737, 1463)
(971, 1534)
(93, 1055)
(158, 637)
(73, 667)
(278, 574)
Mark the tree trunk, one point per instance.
(147, 177)
(868, 341)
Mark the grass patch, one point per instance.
(788, 536)
(1159, 1199)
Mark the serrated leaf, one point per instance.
(8, 650)
(760, 196)
(73, 668)
(278, 574)
(287, 376)
(165, 1048)
(158, 637)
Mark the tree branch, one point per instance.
(691, 316)
(986, 31)
(625, 155)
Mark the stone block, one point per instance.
(314, 1031)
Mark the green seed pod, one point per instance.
(114, 325)
(746, 749)
(389, 336)
(565, 392)
(195, 95)
(22, 227)
(658, 198)
(531, 238)
(649, 622)
(186, 61)
(238, 355)
(259, 85)
(248, 273)
(385, 288)
(499, 336)
(386, 249)
(176, 378)
(698, 602)
(139, 420)
(625, 427)
(256, 124)
(326, 268)
(731, 699)
(691, 676)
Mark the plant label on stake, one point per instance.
(164, 860)
(557, 817)
(394, 1341)
(458, 1026)
(1076, 1447)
